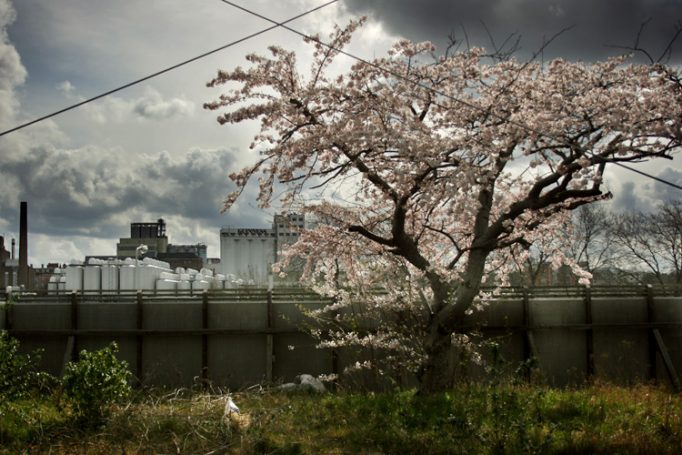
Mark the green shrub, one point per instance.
(95, 382)
(18, 372)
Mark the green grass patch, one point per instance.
(501, 419)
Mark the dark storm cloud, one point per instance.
(665, 193)
(597, 23)
(628, 199)
(90, 191)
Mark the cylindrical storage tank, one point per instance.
(198, 277)
(128, 277)
(92, 278)
(169, 276)
(156, 263)
(109, 277)
(217, 283)
(166, 285)
(74, 278)
(147, 275)
(200, 285)
(53, 284)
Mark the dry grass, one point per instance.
(473, 419)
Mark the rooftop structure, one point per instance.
(151, 234)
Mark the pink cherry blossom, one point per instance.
(456, 165)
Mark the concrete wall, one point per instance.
(246, 354)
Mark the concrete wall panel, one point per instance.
(561, 352)
(501, 355)
(236, 361)
(620, 355)
(669, 309)
(499, 313)
(41, 316)
(238, 315)
(171, 361)
(175, 360)
(109, 316)
(296, 354)
(291, 315)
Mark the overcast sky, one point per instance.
(152, 151)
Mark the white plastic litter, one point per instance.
(304, 382)
(230, 406)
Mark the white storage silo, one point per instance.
(164, 284)
(218, 281)
(147, 274)
(169, 276)
(109, 277)
(200, 285)
(92, 278)
(74, 278)
(127, 277)
(53, 284)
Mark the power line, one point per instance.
(166, 70)
(433, 90)
(658, 179)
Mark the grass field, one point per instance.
(471, 419)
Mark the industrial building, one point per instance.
(9, 265)
(154, 236)
(151, 234)
(248, 253)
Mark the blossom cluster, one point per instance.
(457, 166)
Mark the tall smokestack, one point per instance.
(23, 245)
(14, 248)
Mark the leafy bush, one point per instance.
(18, 372)
(96, 381)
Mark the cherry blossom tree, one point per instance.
(447, 165)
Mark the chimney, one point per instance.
(14, 248)
(23, 245)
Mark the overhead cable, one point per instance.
(166, 70)
(433, 90)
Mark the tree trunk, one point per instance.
(438, 371)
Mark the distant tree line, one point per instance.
(628, 248)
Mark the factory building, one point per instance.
(154, 236)
(9, 266)
(151, 234)
(248, 253)
(198, 250)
